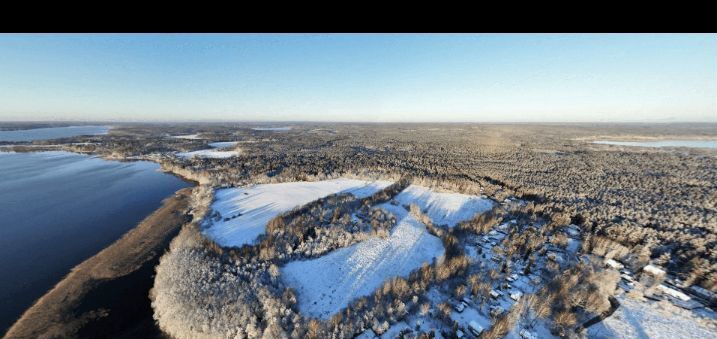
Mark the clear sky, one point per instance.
(367, 77)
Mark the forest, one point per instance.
(657, 201)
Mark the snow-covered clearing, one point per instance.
(367, 334)
(647, 319)
(249, 209)
(187, 136)
(209, 153)
(444, 208)
(271, 128)
(329, 283)
(223, 144)
(215, 152)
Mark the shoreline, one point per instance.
(107, 295)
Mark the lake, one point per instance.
(663, 143)
(58, 209)
(51, 133)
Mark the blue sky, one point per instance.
(360, 77)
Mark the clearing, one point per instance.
(329, 283)
(209, 153)
(444, 208)
(240, 215)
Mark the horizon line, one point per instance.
(211, 121)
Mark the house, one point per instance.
(459, 334)
(516, 295)
(614, 264)
(496, 311)
(495, 294)
(673, 292)
(654, 271)
(627, 277)
(459, 307)
(475, 328)
(513, 277)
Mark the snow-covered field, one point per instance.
(215, 152)
(271, 128)
(209, 153)
(187, 136)
(646, 319)
(252, 207)
(327, 284)
(444, 208)
(223, 144)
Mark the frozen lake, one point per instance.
(58, 209)
(662, 143)
(51, 133)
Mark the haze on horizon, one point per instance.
(359, 77)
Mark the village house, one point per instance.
(612, 263)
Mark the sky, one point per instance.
(359, 77)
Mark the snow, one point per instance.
(223, 144)
(215, 152)
(394, 330)
(271, 128)
(673, 292)
(470, 314)
(258, 204)
(187, 136)
(614, 264)
(368, 334)
(209, 153)
(573, 246)
(327, 284)
(644, 319)
(424, 323)
(444, 208)
(654, 270)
